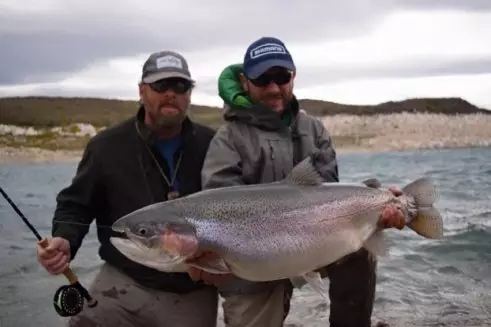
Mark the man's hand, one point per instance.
(202, 257)
(55, 257)
(391, 216)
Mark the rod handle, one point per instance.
(69, 274)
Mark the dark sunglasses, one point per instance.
(178, 85)
(279, 78)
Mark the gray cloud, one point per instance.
(311, 77)
(416, 67)
(71, 35)
(61, 37)
(39, 57)
(308, 76)
(466, 5)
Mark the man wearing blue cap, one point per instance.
(264, 137)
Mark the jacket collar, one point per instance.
(262, 117)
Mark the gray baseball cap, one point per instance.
(165, 64)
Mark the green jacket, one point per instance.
(258, 145)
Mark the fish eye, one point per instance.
(142, 231)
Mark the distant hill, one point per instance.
(447, 106)
(57, 111)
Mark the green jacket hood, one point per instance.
(239, 107)
(230, 88)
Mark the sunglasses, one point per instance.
(178, 85)
(279, 78)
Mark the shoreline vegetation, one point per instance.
(56, 129)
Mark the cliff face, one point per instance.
(56, 111)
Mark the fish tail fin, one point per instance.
(427, 221)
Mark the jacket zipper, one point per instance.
(273, 164)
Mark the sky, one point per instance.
(356, 52)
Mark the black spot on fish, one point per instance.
(321, 307)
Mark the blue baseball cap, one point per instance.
(265, 53)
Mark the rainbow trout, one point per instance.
(279, 230)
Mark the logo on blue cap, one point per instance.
(265, 53)
(267, 49)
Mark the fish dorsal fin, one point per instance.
(372, 182)
(305, 173)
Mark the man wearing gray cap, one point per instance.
(154, 156)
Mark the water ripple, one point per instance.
(420, 283)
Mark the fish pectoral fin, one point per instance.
(315, 281)
(214, 266)
(298, 281)
(377, 244)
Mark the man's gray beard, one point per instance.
(160, 121)
(171, 121)
(167, 122)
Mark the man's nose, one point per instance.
(169, 93)
(272, 87)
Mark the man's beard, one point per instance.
(160, 120)
(286, 99)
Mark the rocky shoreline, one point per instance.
(411, 131)
(37, 155)
(350, 134)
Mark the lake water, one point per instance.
(421, 283)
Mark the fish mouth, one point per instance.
(148, 256)
(119, 230)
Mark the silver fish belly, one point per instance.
(269, 232)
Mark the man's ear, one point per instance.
(243, 82)
(140, 89)
(292, 81)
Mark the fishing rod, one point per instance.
(68, 299)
